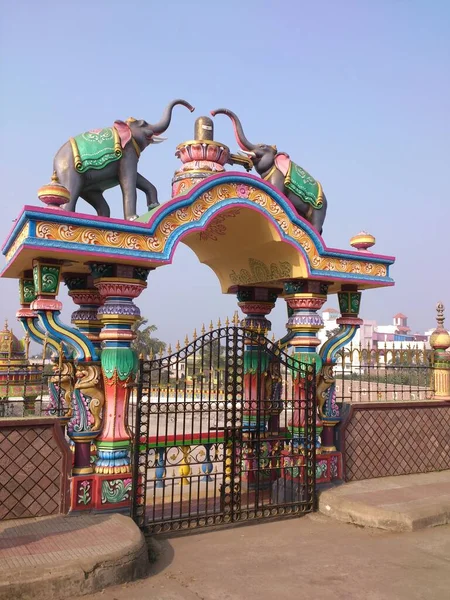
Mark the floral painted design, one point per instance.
(84, 492)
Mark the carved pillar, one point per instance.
(256, 303)
(349, 304)
(84, 293)
(118, 285)
(304, 298)
(47, 276)
(440, 342)
(29, 318)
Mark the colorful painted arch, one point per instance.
(239, 225)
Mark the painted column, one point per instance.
(256, 303)
(349, 305)
(84, 293)
(118, 285)
(440, 342)
(29, 319)
(304, 298)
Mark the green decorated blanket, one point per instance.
(95, 149)
(300, 182)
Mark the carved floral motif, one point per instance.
(217, 227)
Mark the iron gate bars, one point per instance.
(224, 432)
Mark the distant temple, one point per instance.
(19, 381)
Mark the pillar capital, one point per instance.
(256, 303)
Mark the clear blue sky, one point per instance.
(358, 92)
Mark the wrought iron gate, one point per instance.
(224, 431)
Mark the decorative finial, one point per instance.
(440, 314)
(203, 329)
(362, 241)
(194, 335)
(54, 194)
(440, 338)
(178, 346)
(169, 350)
(219, 324)
(227, 322)
(236, 318)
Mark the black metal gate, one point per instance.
(224, 432)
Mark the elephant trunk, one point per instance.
(237, 126)
(164, 123)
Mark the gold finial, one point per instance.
(219, 324)
(194, 335)
(203, 329)
(161, 351)
(273, 338)
(186, 340)
(55, 177)
(169, 350)
(236, 318)
(130, 120)
(227, 322)
(440, 314)
(151, 354)
(211, 326)
(258, 328)
(178, 345)
(141, 356)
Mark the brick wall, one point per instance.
(395, 439)
(34, 468)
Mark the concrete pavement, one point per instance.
(308, 558)
(54, 557)
(402, 503)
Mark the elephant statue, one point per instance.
(303, 191)
(98, 160)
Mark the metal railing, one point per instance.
(384, 375)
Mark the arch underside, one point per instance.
(243, 247)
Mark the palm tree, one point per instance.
(145, 344)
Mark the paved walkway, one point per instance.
(54, 557)
(308, 558)
(402, 503)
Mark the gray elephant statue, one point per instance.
(303, 191)
(98, 160)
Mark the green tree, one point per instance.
(332, 332)
(145, 344)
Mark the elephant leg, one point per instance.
(74, 183)
(149, 190)
(97, 201)
(129, 193)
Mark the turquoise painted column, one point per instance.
(349, 323)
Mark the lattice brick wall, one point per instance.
(396, 439)
(33, 468)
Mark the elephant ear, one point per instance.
(124, 132)
(282, 162)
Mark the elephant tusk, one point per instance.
(156, 139)
(252, 154)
